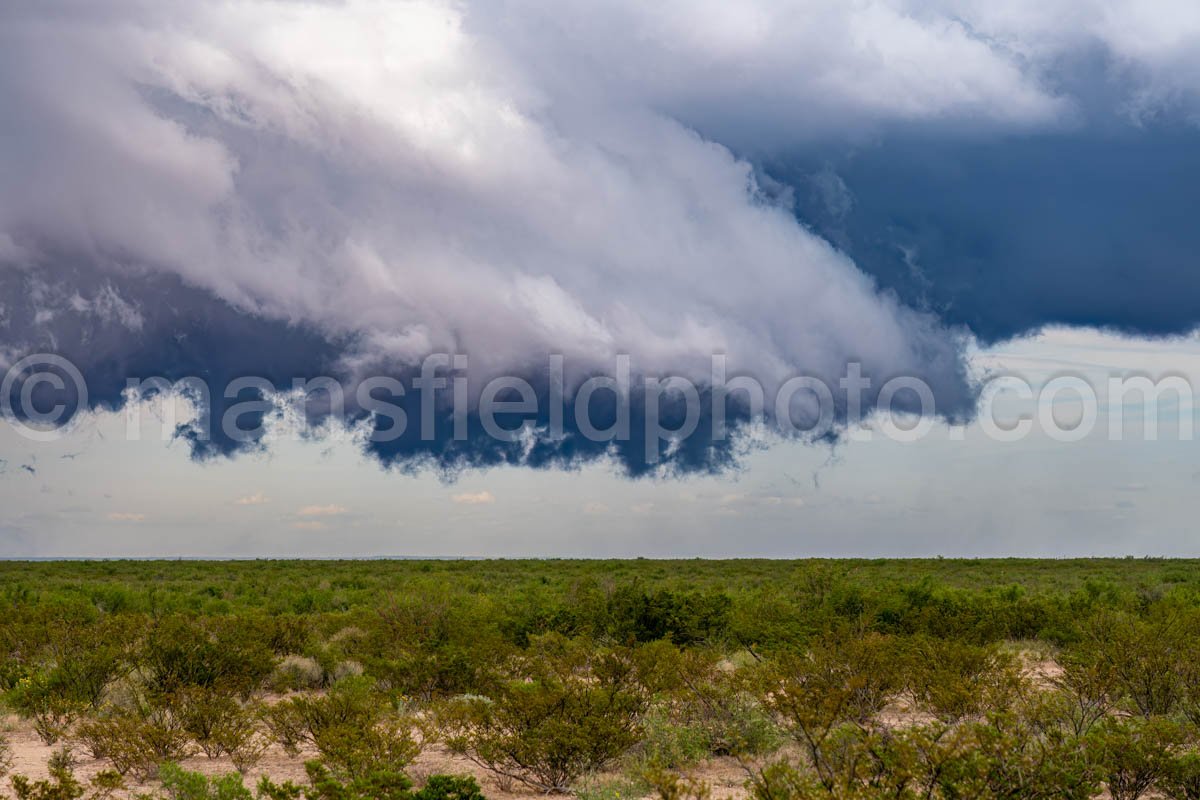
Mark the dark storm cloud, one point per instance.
(115, 327)
(123, 327)
(305, 189)
(1006, 235)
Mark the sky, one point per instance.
(935, 193)
(954, 492)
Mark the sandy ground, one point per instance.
(30, 757)
(725, 776)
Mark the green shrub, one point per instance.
(841, 680)
(77, 663)
(1135, 754)
(136, 740)
(350, 752)
(670, 740)
(434, 644)
(267, 789)
(62, 785)
(568, 711)
(712, 702)
(287, 633)
(779, 780)
(1146, 657)
(179, 784)
(449, 787)
(375, 785)
(1181, 780)
(1001, 757)
(637, 614)
(221, 726)
(623, 787)
(1010, 755)
(351, 727)
(680, 734)
(1087, 690)
(381, 784)
(227, 654)
(670, 785)
(953, 679)
(1190, 675)
(11, 672)
(43, 699)
(105, 784)
(62, 758)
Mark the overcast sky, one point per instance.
(293, 189)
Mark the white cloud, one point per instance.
(385, 170)
(330, 510)
(744, 500)
(474, 498)
(388, 169)
(1155, 46)
(781, 69)
(595, 509)
(256, 499)
(125, 516)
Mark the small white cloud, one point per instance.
(730, 502)
(474, 498)
(256, 499)
(595, 508)
(330, 510)
(780, 500)
(642, 508)
(125, 516)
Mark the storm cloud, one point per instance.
(294, 189)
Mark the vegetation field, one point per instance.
(606, 680)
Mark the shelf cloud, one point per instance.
(298, 189)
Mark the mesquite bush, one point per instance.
(567, 710)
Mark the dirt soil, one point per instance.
(30, 758)
(724, 775)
